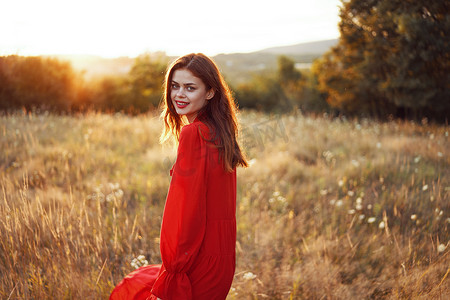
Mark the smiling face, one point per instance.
(188, 93)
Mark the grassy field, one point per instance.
(328, 209)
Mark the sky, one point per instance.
(112, 28)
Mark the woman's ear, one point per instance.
(210, 94)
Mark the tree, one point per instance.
(146, 80)
(36, 82)
(262, 93)
(393, 57)
(286, 70)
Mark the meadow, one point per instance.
(330, 208)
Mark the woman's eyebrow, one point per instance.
(189, 83)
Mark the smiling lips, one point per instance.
(181, 104)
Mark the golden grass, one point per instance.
(329, 209)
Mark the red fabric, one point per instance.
(137, 284)
(198, 231)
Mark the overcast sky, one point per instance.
(113, 28)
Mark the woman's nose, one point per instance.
(180, 92)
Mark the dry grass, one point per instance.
(329, 209)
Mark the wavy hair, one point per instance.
(219, 113)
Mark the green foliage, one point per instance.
(300, 87)
(146, 79)
(286, 70)
(282, 90)
(392, 58)
(262, 93)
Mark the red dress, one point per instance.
(198, 231)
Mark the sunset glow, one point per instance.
(129, 28)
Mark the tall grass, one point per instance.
(329, 209)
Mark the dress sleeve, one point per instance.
(184, 219)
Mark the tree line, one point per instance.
(392, 59)
(32, 83)
(38, 83)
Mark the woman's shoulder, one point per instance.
(197, 128)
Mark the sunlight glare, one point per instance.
(117, 28)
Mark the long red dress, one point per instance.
(198, 231)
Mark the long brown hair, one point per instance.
(219, 113)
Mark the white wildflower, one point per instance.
(139, 262)
(441, 248)
(359, 205)
(118, 193)
(109, 197)
(339, 203)
(413, 217)
(328, 155)
(440, 154)
(323, 192)
(417, 159)
(361, 217)
(341, 182)
(351, 193)
(351, 211)
(381, 225)
(369, 206)
(249, 276)
(113, 186)
(332, 201)
(371, 220)
(425, 187)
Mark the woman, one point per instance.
(198, 232)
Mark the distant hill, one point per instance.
(318, 47)
(239, 67)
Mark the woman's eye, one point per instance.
(190, 88)
(174, 86)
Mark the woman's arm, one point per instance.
(184, 219)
